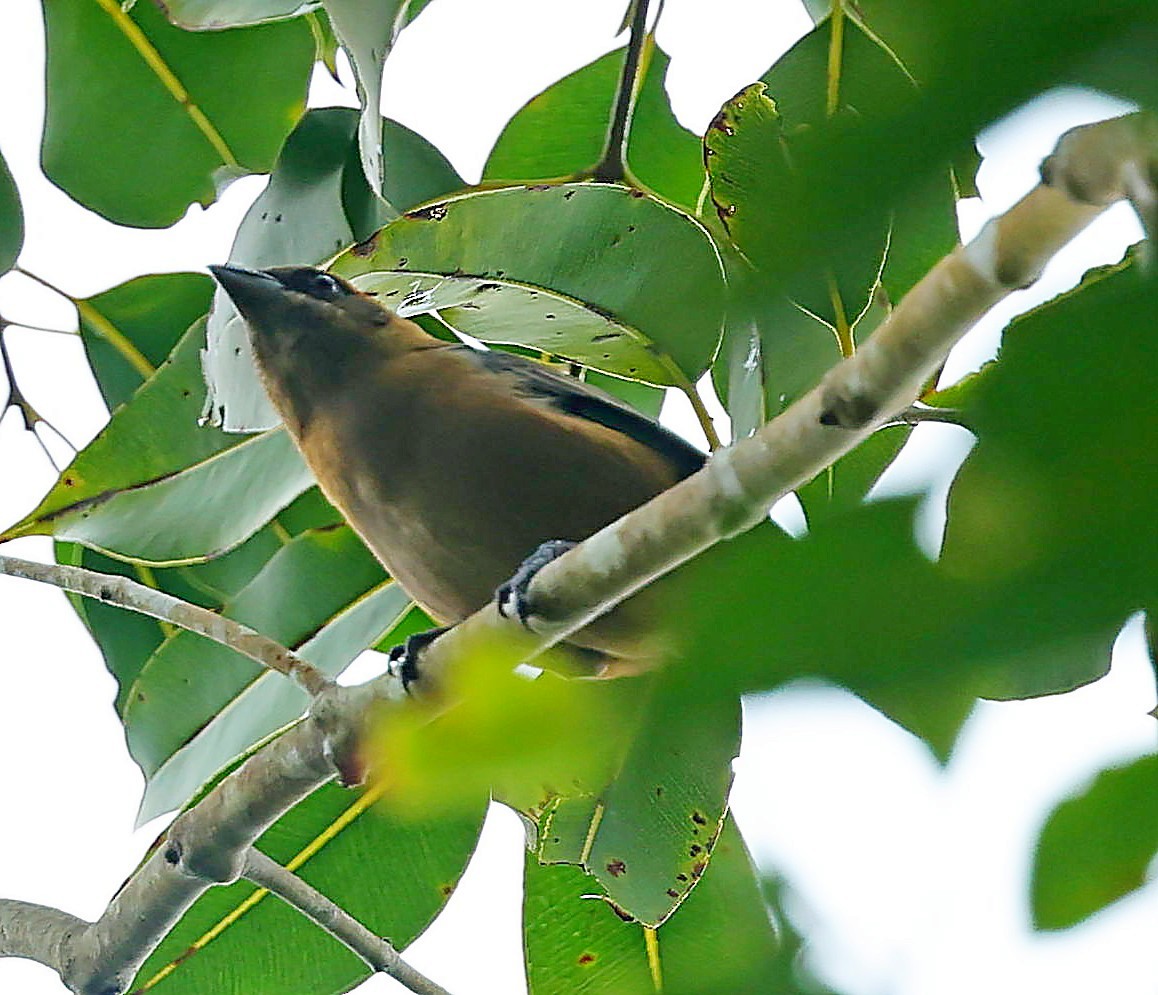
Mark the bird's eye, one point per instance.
(325, 287)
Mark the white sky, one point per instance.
(911, 879)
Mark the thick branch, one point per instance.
(126, 593)
(377, 952)
(37, 932)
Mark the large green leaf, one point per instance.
(199, 512)
(1097, 846)
(154, 436)
(11, 219)
(720, 939)
(172, 112)
(393, 873)
(561, 132)
(625, 283)
(157, 487)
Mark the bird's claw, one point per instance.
(511, 597)
(402, 659)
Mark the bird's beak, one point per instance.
(253, 292)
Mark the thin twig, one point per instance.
(17, 399)
(916, 415)
(612, 165)
(376, 951)
(113, 589)
(44, 283)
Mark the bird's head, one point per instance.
(311, 331)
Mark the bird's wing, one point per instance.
(576, 398)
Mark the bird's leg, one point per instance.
(403, 658)
(512, 596)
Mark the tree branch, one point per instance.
(377, 952)
(125, 593)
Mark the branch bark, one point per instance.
(209, 843)
(125, 593)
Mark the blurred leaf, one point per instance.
(518, 738)
(720, 939)
(1096, 847)
(173, 113)
(128, 331)
(392, 873)
(561, 132)
(1051, 542)
(609, 289)
(11, 220)
(200, 15)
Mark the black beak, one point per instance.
(254, 292)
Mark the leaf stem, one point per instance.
(612, 165)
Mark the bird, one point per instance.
(464, 470)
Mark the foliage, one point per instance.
(760, 253)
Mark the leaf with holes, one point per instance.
(626, 283)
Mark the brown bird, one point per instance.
(455, 465)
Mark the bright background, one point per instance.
(908, 879)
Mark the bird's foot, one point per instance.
(403, 658)
(512, 596)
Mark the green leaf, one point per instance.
(1096, 847)
(11, 220)
(720, 939)
(172, 112)
(128, 331)
(197, 513)
(573, 941)
(202, 15)
(610, 288)
(561, 132)
(162, 706)
(661, 815)
(392, 873)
